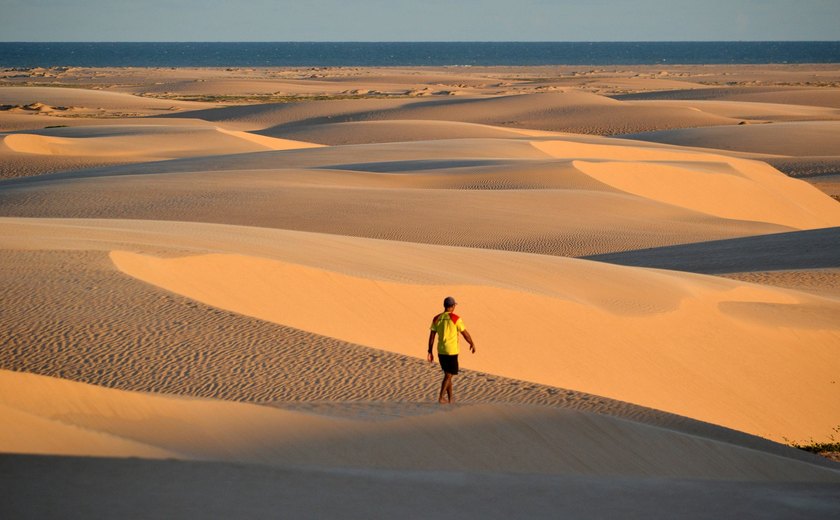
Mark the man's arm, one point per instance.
(469, 339)
(430, 356)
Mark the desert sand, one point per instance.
(217, 286)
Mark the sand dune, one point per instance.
(804, 149)
(808, 114)
(92, 99)
(159, 343)
(815, 97)
(225, 490)
(388, 131)
(145, 142)
(826, 97)
(491, 437)
(817, 138)
(783, 251)
(18, 165)
(825, 282)
(587, 332)
(34, 152)
(538, 185)
(566, 111)
(753, 111)
(771, 197)
(604, 318)
(241, 291)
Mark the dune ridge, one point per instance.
(586, 294)
(586, 331)
(217, 285)
(144, 143)
(531, 183)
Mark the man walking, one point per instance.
(446, 326)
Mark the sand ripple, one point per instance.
(104, 328)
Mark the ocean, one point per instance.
(349, 54)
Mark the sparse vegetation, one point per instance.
(269, 98)
(830, 450)
(88, 86)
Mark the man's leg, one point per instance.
(445, 389)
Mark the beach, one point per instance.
(218, 283)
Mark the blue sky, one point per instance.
(418, 20)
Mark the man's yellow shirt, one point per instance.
(447, 325)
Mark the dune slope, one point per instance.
(490, 437)
(637, 335)
(221, 308)
(568, 196)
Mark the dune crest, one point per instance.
(606, 314)
(144, 142)
(758, 193)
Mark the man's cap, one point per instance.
(449, 301)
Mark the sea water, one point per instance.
(349, 54)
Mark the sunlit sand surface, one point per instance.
(226, 276)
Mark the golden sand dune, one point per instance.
(550, 201)
(805, 149)
(587, 321)
(242, 297)
(826, 97)
(388, 131)
(159, 343)
(753, 111)
(819, 97)
(37, 151)
(297, 89)
(757, 192)
(825, 282)
(583, 349)
(568, 111)
(491, 437)
(546, 220)
(791, 252)
(142, 142)
(92, 99)
(813, 138)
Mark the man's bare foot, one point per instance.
(443, 401)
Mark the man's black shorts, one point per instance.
(449, 364)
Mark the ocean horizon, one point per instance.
(384, 54)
